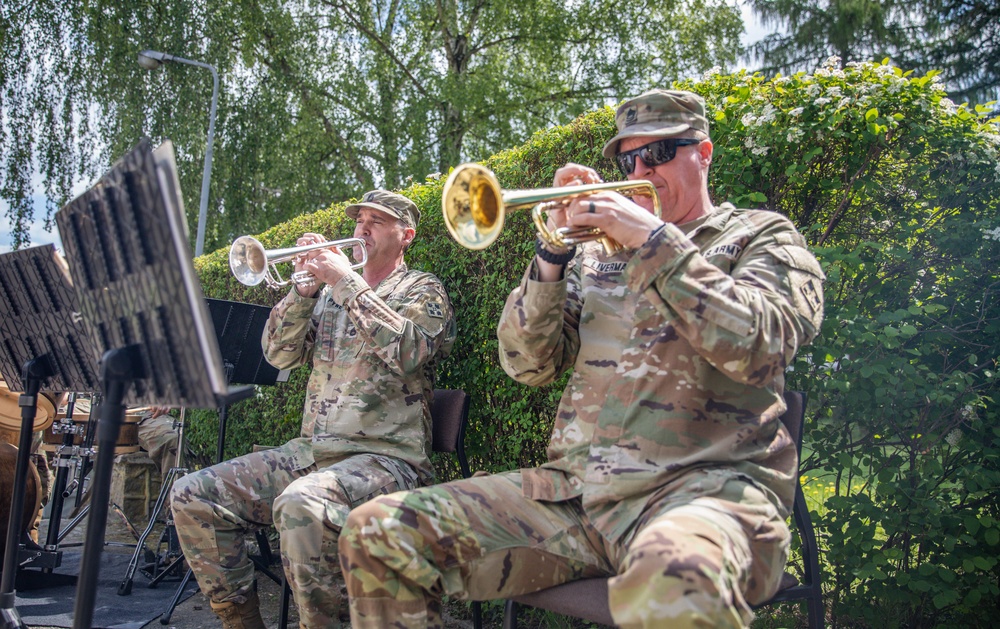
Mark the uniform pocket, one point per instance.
(365, 476)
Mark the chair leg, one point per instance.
(477, 615)
(814, 606)
(286, 593)
(510, 609)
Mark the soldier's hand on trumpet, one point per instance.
(328, 265)
(569, 175)
(624, 220)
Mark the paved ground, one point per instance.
(195, 612)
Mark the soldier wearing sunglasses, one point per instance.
(668, 468)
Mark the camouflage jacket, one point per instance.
(678, 351)
(374, 354)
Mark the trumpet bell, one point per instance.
(248, 260)
(473, 206)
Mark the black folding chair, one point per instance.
(588, 598)
(449, 416)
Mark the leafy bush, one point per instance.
(897, 190)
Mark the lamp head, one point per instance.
(151, 59)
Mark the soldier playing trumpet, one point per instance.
(668, 467)
(373, 341)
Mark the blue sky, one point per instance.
(754, 32)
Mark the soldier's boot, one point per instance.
(240, 615)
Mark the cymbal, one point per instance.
(10, 412)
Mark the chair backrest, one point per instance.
(449, 414)
(794, 416)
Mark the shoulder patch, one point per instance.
(434, 310)
(811, 294)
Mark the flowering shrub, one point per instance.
(897, 190)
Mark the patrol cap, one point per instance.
(393, 204)
(658, 114)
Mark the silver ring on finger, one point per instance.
(591, 209)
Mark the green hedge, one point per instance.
(897, 190)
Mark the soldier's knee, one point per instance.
(363, 514)
(291, 508)
(184, 487)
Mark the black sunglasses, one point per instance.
(652, 154)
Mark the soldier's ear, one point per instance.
(408, 235)
(705, 151)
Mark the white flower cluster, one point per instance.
(765, 117)
(822, 100)
(795, 113)
(794, 135)
(948, 105)
(992, 148)
(954, 437)
(713, 71)
(754, 147)
(992, 234)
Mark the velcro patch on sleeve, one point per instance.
(434, 310)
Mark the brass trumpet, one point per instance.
(252, 264)
(474, 207)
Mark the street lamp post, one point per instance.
(151, 60)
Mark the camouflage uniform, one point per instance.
(668, 468)
(365, 431)
(158, 437)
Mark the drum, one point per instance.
(10, 412)
(128, 436)
(32, 495)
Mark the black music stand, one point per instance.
(41, 346)
(140, 300)
(239, 328)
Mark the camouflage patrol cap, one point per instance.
(658, 114)
(395, 205)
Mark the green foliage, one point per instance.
(319, 99)
(954, 36)
(897, 190)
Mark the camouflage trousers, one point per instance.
(699, 562)
(158, 438)
(307, 502)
